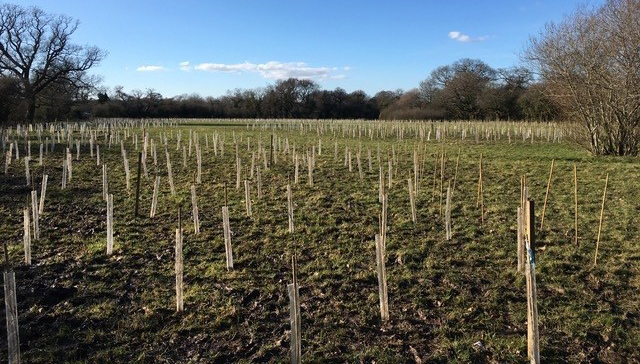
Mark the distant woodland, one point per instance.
(466, 89)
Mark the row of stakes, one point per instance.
(526, 246)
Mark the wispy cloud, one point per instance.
(185, 66)
(274, 69)
(149, 68)
(464, 38)
(246, 66)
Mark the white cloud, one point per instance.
(274, 69)
(246, 66)
(464, 38)
(149, 68)
(185, 66)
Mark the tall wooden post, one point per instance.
(290, 208)
(447, 214)
(382, 278)
(575, 193)
(194, 209)
(138, 184)
(227, 237)
(27, 237)
(11, 310)
(604, 196)
(109, 224)
(546, 195)
(520, 241)
(179, 264)
(455, 175)
(294, 312)
(412, 201)
(271, 152)
(533, 339)
(480, 199)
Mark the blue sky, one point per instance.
(356, 45)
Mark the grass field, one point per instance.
(460, 300)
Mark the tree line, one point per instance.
(466, 89)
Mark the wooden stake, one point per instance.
(225, 194)
(390, 172)
(69, 165)
(127, 173)
(412, 201)
(64, 174)
(11, 310)
(7, 267)
(194, 205)
(447, 216)
(520, 240)
(455, 176)
(179, 272)
(416, 173)
(435, 170)
(480, 199)
(546, 195)
(271, 153)
(199, 164)
(294, 312)
(310, 169)
(381, 186)
(154, 199)
(43, 192)
(441, 181)
(604, 195)
(184, 157)
(383, 219)
(238, 173)
(138, 184)
(382, 279)
(35, 215)
(105, 185)
(170, 174)
(26, 238)
(259, 177)
(575, 192)
(227, 237)
(26, 171)
(109, 224)
(247, 198)
(290, 208)
(296, 168)
(533, 339)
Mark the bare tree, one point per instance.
(590, 64)
(536, 105)
(35, 48)
(456, 88)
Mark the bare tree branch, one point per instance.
(35, 47)
(590, 63)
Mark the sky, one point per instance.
(210, 47)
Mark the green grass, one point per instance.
(78, 305)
